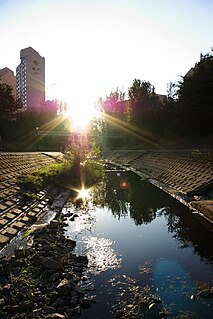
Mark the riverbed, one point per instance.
(148, 255)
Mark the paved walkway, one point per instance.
(15, 213)
(187, 174)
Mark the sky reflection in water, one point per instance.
(142, 243)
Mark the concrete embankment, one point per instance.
(185, 174)
(15, 212)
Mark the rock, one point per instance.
(69, 313)
(74, 300)
(48, 310)
(20, 253)
(14, 309)
(86, 303)
(154, 308)
(51, 264)
(205, 293)
(26, 306)
(55, 276)
(65, 287)
(54, 223)
(47, 247)
(60, 302)
(55, 316)
(8, 287)
(78, 310)
(53, 295)
(119, 314)
(79, 291)
(2, 302)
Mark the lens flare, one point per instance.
(123, 184)
(83, 193)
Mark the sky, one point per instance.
(91, 47)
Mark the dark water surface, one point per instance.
(144, 248)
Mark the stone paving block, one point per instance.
(25, 219)
(18, 225)
(3, 222)
(9, 203)
(10, 231)
(9, 215)
(2, 207)
(36, 209)
(31, 214)
(16, 211)
(3, 239)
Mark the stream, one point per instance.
(148, 255)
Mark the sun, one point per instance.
(81, 113)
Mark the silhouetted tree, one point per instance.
(195, 98)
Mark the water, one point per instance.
(143, 247)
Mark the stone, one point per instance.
(205, 293)
(74, 300)
(86, 303)
(54, 223)
(60, 302)
(64, 287)
(69, 313)
(55, 316)
(11, 231)
(2, 302)
(51, 264)
(26, 305)
(48, 310)
(3, 239)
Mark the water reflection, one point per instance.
(101, 255)
(144, 203)
(137, 198)
(145, 247)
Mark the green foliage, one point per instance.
(142, 98)
(54, 174)
(93, 172)
(7, 101)
(195, 99)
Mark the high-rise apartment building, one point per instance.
(30, 79)
(7, 76)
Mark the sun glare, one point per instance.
(83, 193)
(81, 115)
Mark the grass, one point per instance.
(68, 172)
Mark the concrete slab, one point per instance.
(2, 207)
(10, 231)
(4, 239)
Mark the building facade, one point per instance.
(30, 79)
(7, 76)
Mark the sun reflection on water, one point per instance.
(101, 255)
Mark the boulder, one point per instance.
(51, 264)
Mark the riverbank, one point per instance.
(44, 281)
(186, 175)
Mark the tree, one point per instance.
(142, 97)
(113, 108)
(8, 104)
(195, 98)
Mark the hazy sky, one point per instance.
(93, 46)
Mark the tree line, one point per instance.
(138, 117)
(186, 111)
(20, 128)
